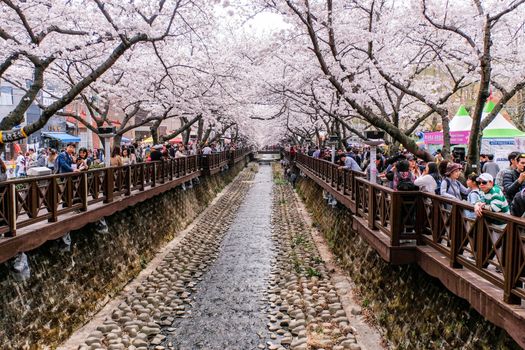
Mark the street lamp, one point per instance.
(332, 140)
(106, 133)
(374, 139)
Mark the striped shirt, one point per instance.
(496, 200)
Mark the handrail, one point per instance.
(492, 246)
(29, 200)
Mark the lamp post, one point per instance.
(374, 139)
(332, 140)
(106, 133)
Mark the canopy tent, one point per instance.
(175, 140)
(459, 127)
(125, 140)
(148, 140)
(499, 127)
(61, 136)
(499, 137)
(461, 121)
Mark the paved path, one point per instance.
(246, 275)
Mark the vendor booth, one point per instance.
(459, 128)
(499, 137)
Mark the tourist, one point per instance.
(3, 172)
(517, 207)
(514, 181)
(474, 195)
(413, 167)
(51, 160)
(450, 186)
(156, 153)
(482, 160)
(180, 152)
(41, 158)
(206, 150)
(438, 157)
(125, 157)
(349, 163)
(65, 162)
(116, 158)
(132, 155)
(491, 166)
(403, 179)
(430, 180)
(21, 162)
(492, 198)
(498, 180)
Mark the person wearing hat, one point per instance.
(450, 186)
(492, 198)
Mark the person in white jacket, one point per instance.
(428, 182)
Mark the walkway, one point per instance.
(246, 275)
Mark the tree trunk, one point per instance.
(474, 146)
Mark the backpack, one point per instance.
(405, 183)
(438, 185)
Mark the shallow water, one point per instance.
(227, 312)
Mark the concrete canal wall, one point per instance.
(66, 289)
(412, 309)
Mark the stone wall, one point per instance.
(411, 308)
(66, 289)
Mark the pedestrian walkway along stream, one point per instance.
(246, 275)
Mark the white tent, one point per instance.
(499, 137)
(461, 121)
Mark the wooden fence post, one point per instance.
(109, 185)
(84, 192)
(511, 269)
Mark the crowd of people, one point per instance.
(71, 159)
(493, 189)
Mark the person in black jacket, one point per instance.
(517, 207)
(514, 181)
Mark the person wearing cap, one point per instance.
(450, 186)
(492, 198)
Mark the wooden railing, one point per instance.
(492, 246)
(26, 201)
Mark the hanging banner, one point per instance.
(456, 138)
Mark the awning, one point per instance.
(176, 140)
(61, 136)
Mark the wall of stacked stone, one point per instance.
(411, 308)
(66, 289)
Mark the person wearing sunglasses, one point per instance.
(492, 198)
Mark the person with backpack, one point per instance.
(450, 186)
(403, 178)
(474, 196)
(430, 181)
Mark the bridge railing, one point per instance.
(492, 246)
(29, 200)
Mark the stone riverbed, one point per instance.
(246, 275)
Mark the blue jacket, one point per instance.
(64, 161)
